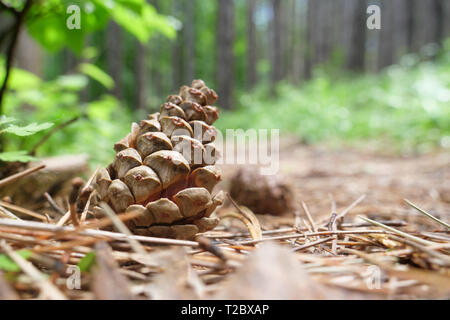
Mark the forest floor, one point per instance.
(316, 173)
(349, 259)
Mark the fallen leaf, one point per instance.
(108, 283)
(271, 272)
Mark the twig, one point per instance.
(8, 213)
(22, 210)
(47, 288)
(121, 227)
(442, 223)
(308, 234)
(311, 244)
(77, 183)
(53, 203)
(350, 207)
(34, 225)
(50, 133)
(19, 175)
(401, 233)
(308, 215)
(427, 250)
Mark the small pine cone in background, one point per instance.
(164, 168)
(261, 193)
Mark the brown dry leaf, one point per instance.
(177, 281)
(6, 292)
(108, 283)
(271, 272)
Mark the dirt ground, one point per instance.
(319, 173)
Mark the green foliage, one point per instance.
(20, 156)
(136, 16)
(27, 130)
(6, 264)
(97, 74)
(87, 262)
(102, 120)
(405, 108)
(21, 131)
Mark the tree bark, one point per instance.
(251, 43)
(426, 23)
(225, 38)
(276, 44)
(310, 48)
(402, 27)
(189, 40)
(141, 76)
(357, 45)
(386, 39)
(114, 57)
(177, 50)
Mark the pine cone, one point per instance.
(164, 168)
(261, 194)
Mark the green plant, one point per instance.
(9, 127)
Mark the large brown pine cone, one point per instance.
(164, 168)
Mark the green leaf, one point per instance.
(6, 120)
(87, 262)
(97, 74)
(102, 109)
(6, 264)
(27, 130)
(74, 82)
(21, 79)
(20, 156)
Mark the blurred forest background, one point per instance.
(311, 68)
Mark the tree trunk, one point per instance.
(251, 40)
(357, 45)
(446, 19)
(426, 23)
(310, 48)
(386, 43)
(177, 50)
(225, 38)
(402, 27)
(189, 41)
(141, 76)
(114, 57)
(276, 44)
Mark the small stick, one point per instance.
(426, 214)
(63, 219)
(8, 213)
(121, 227)
(53, 203)
(207, 245)
(23, 210)
(311, 244)
(20, 175)
(319, 233)
(308, 215)
(50, 133)
(46, 286)
(77, 183)
(398, 232)
(34, 225)
(427, 250)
